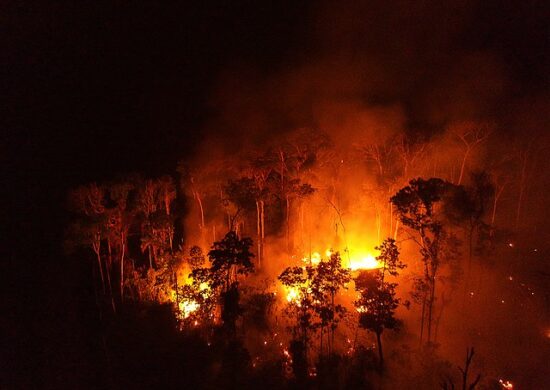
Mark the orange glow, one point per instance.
(314, 260)
(292, 294)
(355, 262)
(506, 384)
(366, 262)
(186, 306)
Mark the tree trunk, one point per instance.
(122, 250)
(109, 275)
(493, 215)
(438, 319)
(380, 354)
(97, 250)
(463, 165)
(258, 230)
(431, 303)
(378, 223)
(391, 218)
(288, 224)
(321, 347)
(177, 294)
(469, 269)
(498, 193)
(521, 189)
(331, 329)
(199, 201)
(422, 318)
(396, 229)
(262, 220)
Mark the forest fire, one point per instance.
(334, 243)
(289, 195)
(215, 281)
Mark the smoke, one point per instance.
(371, 68)
(367, 73)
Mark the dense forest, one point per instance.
(391, 260)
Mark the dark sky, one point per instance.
(100, 89)
(94, 89)
(114, 86)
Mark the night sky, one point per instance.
(94, 90)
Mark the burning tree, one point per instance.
(376, 305)
(377, 302)
(230, 258)
(311, 297)
(300, 303)
(196, 302)
(329, 277)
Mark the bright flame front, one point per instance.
(187, 307)
(367, 262)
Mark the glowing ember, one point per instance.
(506, 384)
(367, 262)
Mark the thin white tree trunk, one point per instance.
(97, 250)
(463, 166)
(123, 248)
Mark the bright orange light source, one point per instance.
(367, 262)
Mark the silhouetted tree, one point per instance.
(88, 202)
(389, 258)
(448, 383)
(230, 258)
(418, 206)
(300, 305)
(466, 206)
(327, 279)
(376, 305)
